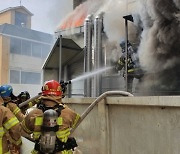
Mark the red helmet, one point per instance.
(52, 87)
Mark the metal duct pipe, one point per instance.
(98, 26)
(88, 54)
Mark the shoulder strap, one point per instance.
(58, 108)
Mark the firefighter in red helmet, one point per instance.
(51, 121)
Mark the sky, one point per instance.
(47, 14)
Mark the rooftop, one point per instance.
(15, 8)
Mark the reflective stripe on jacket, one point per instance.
(39, 122)
(67, 120)
(9, 130)
(10, 123)
(15, 109)
(62, 152)
(1, 138)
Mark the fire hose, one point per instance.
(63, 85)
(88, 110)
(102, 96)
(29, 100)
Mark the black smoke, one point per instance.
(159, 49)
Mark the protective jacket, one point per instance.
(133, 69)
(67, 119)
(14, 108)
(32, 103)
(9, 131)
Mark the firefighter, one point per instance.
(51, 121)
(10, 137)
(22, 97)
(35, 101)
(133, 66)
(10, 101)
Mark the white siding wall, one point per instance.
(27, 64)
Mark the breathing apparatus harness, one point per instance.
(58, 107)
(48, 141)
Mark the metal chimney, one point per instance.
(98, 27)
(88, 54)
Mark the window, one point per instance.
(14, 76)
(15, 46)
(20, 19)
(36, 50)
(45, 50)
(26, 48)
(30, 78)
(22, 77)
(29, 48)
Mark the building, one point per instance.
(19, 16)
(87, 57)
(22, 50)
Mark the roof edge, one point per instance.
(17, 7)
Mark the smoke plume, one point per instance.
(159, 49)
(114, 25)
(76, 18)
(156, 29)
(114, 10)
(113, 17)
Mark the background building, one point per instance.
(22, 50)
(70, 40)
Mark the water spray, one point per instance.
(90, 74)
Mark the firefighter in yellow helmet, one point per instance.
(10, 101)
(10, 137)
(51, 121)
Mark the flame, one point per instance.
(75, 18)
(80, 21)
(72, 22)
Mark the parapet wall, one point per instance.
(129, 125)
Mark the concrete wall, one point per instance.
(6, 17)
(4, 59)
(26, 63)
(129, 125)
(9, 17)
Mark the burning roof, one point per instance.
(157, 27)
(77, 17)
(73, 21)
